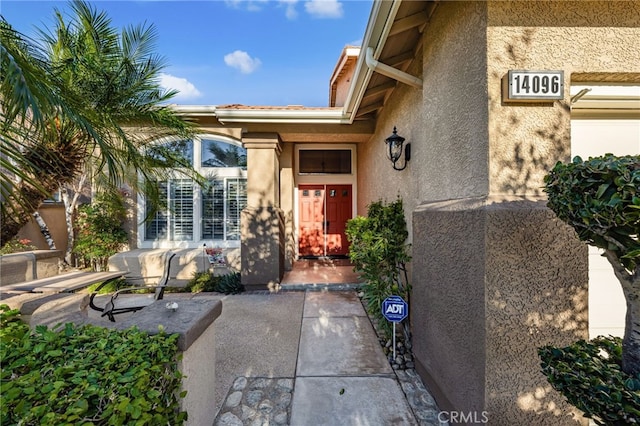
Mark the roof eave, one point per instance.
(334, 116)
(382, 16)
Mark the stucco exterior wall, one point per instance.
(344, 83)
(377, 180)
(455, 158)
(287, 200)
(262, 221)
(581, 38)
(53, 216)
(495, 275)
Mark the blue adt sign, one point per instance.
(395, 309)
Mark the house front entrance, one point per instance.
(323, 211)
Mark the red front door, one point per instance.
(323, 214)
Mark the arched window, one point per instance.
(212, 213)
(216, 153)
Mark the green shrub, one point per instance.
(110, 287)
(201, 281)
(378, 251)
(17, 245)
(100, 229)
(229, 284)
(205, 281)
(87, 375)
(590, 376)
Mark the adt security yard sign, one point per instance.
(395, 309)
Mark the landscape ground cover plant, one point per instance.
(87, 375)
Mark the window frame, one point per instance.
(219, 173)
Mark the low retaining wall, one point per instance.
(29, 265)
(147, 264)
(193, 320)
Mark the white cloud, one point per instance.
(290, 8)
(324, 8)
(242, 61)
(186, 90)
(250, 5)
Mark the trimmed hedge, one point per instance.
(87, 375)
(590, 376)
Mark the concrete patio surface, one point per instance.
(318, 344)
(257, 335)
(343, 377)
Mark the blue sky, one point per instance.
(252, 52)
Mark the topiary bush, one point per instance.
(87, 375)
(600, 199)
(590, 376)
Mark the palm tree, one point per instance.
(27, 103)
(102, 108)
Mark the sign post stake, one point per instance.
(394, 309)
(394, 340)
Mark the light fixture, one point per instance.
(395, 144)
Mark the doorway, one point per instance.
(323, 212)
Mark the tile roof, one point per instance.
(279, 108)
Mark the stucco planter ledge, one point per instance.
(193, 320)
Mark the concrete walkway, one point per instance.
(309, 358)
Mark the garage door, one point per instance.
(605, 119)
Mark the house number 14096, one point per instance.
(536, 85)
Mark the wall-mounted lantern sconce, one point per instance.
(395, 144)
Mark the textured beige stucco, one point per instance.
(198, 366)
(262, 221)
(263, 168)
(536, 286)
(495, 275)
(494, 287)
(262, 248)
(577, 37)
(377, 180)
(287, 200)
(455, 157)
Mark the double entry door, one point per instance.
(323, 212)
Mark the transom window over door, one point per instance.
(210, 213)
(325, 161)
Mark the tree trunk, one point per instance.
(631, 340)
(70, 204)
(630, 282)
(44, 230)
